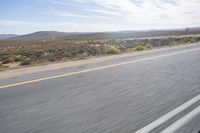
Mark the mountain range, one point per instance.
(99, 35)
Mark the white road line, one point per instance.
(181, 122)
(167, 116)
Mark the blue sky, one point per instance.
(26, 16)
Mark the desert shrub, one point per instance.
(51, 58)
(19, 58)
(81, 56)
(26, 62)
(188, 40)
(174, 42)
(9, 60)
(113, 50)
(130, 49)
(148, 46)
(140, 48)
(197, 39)
(37, 51)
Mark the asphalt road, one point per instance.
(154, 89)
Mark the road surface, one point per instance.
(150, 92)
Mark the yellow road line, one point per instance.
(98, 68)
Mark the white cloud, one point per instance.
(105, 12)
(163, 13)
(76, 15)
(111, 15)
(66, 14)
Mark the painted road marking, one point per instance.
(167, 116)
(98, 68)
(181, 122)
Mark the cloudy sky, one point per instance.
(26, 16)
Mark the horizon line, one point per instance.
(106, 31)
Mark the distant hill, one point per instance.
(7, 36)
(42, 35)
(100, 35)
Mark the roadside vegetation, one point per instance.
(140, 47)
(113, 50)
(34, 52)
